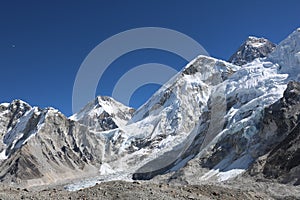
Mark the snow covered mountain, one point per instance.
(251, 49)
(212, 121)
(225, 139)
(253, 94)
(166, 122)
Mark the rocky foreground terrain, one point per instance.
(150, 190)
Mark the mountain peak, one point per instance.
(256, 42)
(20, 103)
(104, 101)
(251, 49)
(103, 113)
(99, 99)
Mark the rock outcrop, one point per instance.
(251, 49)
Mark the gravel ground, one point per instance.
(132, 191)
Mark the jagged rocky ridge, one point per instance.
(208, 123)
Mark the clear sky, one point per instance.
(43, 43)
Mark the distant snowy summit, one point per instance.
(104, 113)
(251, 49)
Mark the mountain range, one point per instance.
(213, 122)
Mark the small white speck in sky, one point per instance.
(13, 45)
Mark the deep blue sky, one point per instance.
(43, 43)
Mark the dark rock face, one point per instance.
(281, 136)
(283, 162)
(23, 166)
(190, 70)
(251, 49)
(281, 117)
(106, 121)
